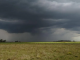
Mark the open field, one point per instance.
(40, 51)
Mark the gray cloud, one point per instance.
(20, 16)
(59, 34)
(25, 11)
(32, 13)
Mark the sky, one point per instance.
(39, 20)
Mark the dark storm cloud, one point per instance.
(33, 14)
(21, 10)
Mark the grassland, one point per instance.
(40, 51)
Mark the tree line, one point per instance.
(1, 40)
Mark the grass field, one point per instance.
(40, 51)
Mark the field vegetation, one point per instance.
(40, 51)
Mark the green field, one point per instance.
(40, 51)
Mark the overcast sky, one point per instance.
(40, 20)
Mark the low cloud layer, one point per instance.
(59, 34)
(36, 16)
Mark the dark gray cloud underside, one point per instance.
(31, 16)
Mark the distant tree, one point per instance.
(1, 40)
(4, 40)
(64, 41)
(16, 41)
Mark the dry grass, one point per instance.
(38, 51)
